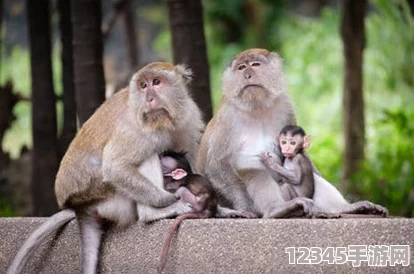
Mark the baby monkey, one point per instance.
(297, 171)
(191, 188)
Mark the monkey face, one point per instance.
(254, 78)
(291, 145)
(159, 94)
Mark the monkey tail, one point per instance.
(169, 235)
(50, 226)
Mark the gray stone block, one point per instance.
(211, 246)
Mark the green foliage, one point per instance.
(388, 172)
(6, 210)
(16, 66)
(387, 175)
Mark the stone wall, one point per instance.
(212, 245)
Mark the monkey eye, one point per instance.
(255, 64)
(293, 143)
(241, 67)
(283, 142)
(143, 85)
(156, 82)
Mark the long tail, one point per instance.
(169, 235)
(50, 226)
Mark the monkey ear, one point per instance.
(274, 55)
(306, 141)
(178, 174)
(185, 72)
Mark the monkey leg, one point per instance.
(294, 208)
(328, 199)
(91, 235)
(225, 212)
(366, 207)
(118, 209)
(229, 186)
(267, 196)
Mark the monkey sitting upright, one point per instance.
(254, 108)
(297, 170)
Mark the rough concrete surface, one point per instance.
(211, 246)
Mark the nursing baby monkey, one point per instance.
(111, 170)
(297, 170)
(254, 108)
(191, 188)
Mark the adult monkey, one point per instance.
(254, 108)
(103, 175)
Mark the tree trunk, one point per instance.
(45, 156)
(353, 36)
(1, 27)
(130, 35)
(189, 47)
(87, 53)
(69, 103)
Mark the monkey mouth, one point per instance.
(158, 118)
(252, 87)
(156, 112)
(253, 93)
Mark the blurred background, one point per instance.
(310, 35)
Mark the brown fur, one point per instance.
(107, 172)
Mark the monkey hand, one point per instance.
(183, 207)
(268, 159)
(165, 199)
(308, 207)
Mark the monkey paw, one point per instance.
(243, 214)
(322, 215)
(182, 207)
(366, 207)
(308, 207)
(267, 158)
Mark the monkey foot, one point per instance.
(321, 215)
(366, 207)
(243, 214)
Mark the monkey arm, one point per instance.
(229, 184)
(126, 175)
(292, 176)
(136, 186)
(148, 214)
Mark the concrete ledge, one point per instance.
(211, 246)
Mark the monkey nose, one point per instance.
(247, 75)
(149, 98)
